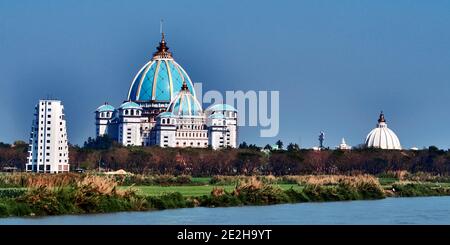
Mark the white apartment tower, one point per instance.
(48, 151)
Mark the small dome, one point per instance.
(160, 78)
(130, 105)
(166, 114)
(217, 116)
(382, 137)
(105, 108)
(221, 107)
(185, 104)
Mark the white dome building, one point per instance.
(382, 137)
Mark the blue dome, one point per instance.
(160, 79)
(185, 104)
(105, 108)
(130, 105)
(221, 107)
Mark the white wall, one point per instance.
(130, 128)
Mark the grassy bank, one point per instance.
(59, 194)
(40, 194)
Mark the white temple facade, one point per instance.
(343, 145)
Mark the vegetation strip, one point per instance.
(45, 194)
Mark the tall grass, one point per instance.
(254, 191)
(63, 194)
(32, 180)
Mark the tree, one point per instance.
(268, 147)
(254, 147)
(279, 144)
(19, 143)
(243, 145)
(293, 147)
(103, 142)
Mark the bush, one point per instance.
(11, 193)
(42, 201)
(419, 189)
(3, 209)
(224, 200)
(296, 196)
(184, 179)
(169, 201)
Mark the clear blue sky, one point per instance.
(335, 63)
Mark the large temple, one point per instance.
(162, 109)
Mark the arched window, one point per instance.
(126, 112)
(132, 112)
(168, 121)
(163, 121)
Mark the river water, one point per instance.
(419, 210)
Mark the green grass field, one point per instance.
(190, 190)
(201, 180)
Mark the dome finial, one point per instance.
(162, 49)
(161, 30)
(184, 87)
(381, 118)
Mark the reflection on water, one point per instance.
(420, 210)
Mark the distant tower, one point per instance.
(321, 139)
(48, 151)
(103, 116)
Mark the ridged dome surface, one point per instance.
(382, 137)
(160, 79)
(185, 104)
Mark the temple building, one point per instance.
(162, 109)
(344, 146)
(382, 137)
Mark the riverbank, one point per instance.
(83, 194)
(387, 211)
